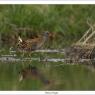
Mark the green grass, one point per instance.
(68, 21)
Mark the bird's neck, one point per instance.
(45, 38)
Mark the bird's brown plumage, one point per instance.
(33, 44)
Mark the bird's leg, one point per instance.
(22, 54)
(46, 57)
(30, 56)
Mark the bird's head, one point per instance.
(46, 34)
(49, 35)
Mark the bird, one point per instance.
(32, 71)
(33, 44)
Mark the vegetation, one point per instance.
(69, 22)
